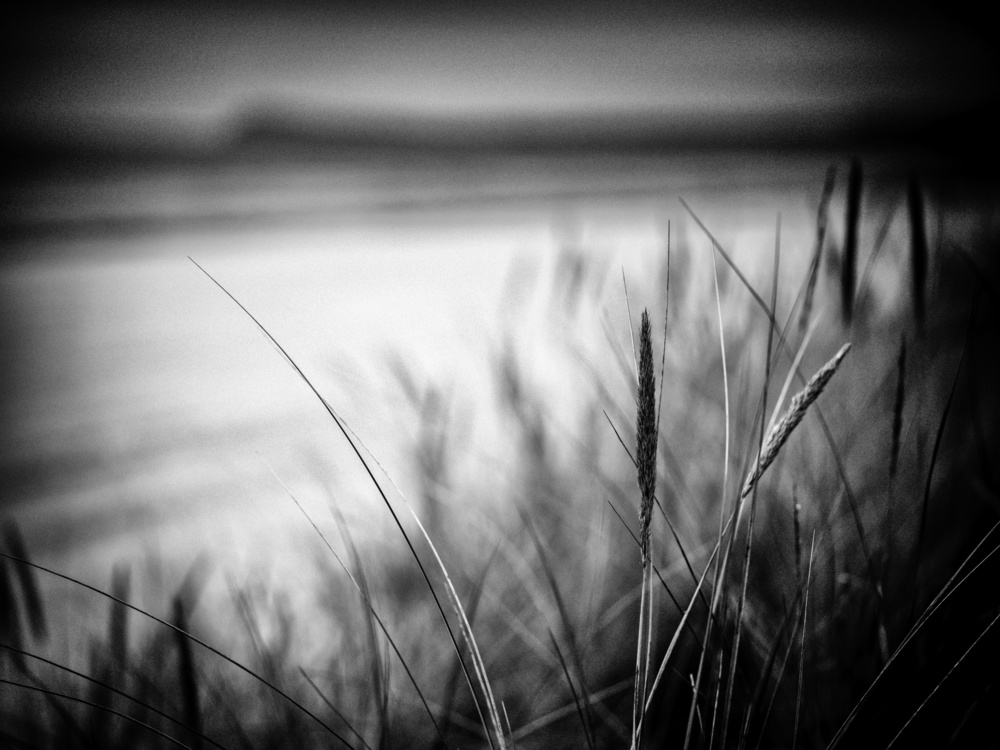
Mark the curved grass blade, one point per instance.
(558, 714)
(827, 432)
(193, 638)
(567, 625)
(753, 503)
(91, 704)
(363, 592)
(802, 646)
(721, 565)
(942, 596)
(943, 679)
(342, 426)
(116, 691)
(937, 442)
(584, 718)
(332, 707)
(473, 607)
(464, 623)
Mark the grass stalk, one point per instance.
(944, 594)
(25, 576)
(822, 218)
(459, 609)
(112, 689)
(187, 678)
(567, 627)
(828, 434)
(918, 248)
(584, 719)
(802, 646)
(663, 512)
(193, 638)
(793, 619)
(336, 711)
(364, 592)
(97, 706)
(897, 408)
(745, 683)
(938, 437)
(852, 226)
(753, 503)
(655, 569)
(645, 460)
(937, 687)
(456, 603)
(720, 565)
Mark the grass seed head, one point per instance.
(646, 433)
(790, 419)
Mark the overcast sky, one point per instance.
(172, 71)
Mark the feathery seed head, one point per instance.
(793, 415)
(646, 433)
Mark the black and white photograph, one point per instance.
(499, 375)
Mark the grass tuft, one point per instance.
(765, 643)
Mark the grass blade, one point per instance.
(360, 584)
(193, 638)
(802, 647)
(827, 432)
(29, 585)
(720, 567)
(939, 436)
(584, 720)
(467, 633)
(918, 247)
(897, 408)
(337, 712)
(822, 218)
(116, 691)
(567, 625)
(943, 679)
(188, 682)
(943, 595)
(99, 707)
(753, 504)
(853, 222)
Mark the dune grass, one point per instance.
(812, 571)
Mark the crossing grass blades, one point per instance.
(797, 547)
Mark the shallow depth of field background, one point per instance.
(409, 203)
(376, 182)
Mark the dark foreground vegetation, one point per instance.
(748, 535)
